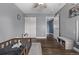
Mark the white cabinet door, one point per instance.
(30, 26)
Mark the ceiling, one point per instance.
(51, 8)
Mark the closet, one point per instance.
(30, 26)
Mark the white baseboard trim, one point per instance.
(77, 50)
(41, 37)
(34, 37)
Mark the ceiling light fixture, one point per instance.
(40, 3)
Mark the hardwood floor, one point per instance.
(51, 47)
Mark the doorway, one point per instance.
(50, 27)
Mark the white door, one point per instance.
(27, 26)
(33, 27)
(30, 26)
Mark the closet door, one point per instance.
(27, 26)
(33, 26)
(30, 26)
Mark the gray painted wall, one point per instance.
(10, 27)
(41, 26)
(67, 25)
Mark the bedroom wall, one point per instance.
(10, 27)
(41, 24)
(41, 27)
(67, 25)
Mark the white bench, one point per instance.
(68, 42)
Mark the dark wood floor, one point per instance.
(51, 47)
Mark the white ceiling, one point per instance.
(52, 8)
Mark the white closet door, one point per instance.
(33, 27)
(30, 26)
(27, 26)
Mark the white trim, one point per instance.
(34, 37)
(76, 30)
(41, 37)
